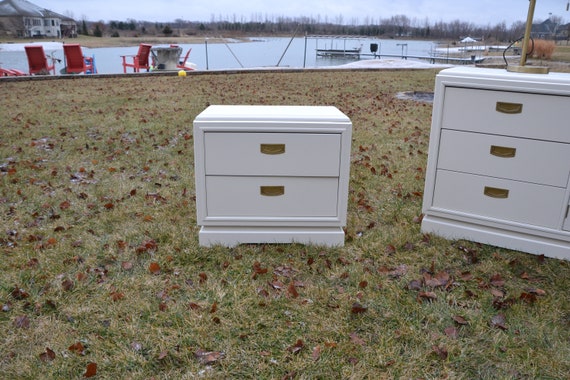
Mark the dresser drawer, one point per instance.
(526, 160)
(497, 198)
(536, 116)
(276, 197)
(275, 154)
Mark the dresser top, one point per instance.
(260, 113)
(558, 83)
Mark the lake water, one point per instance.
(263, 52)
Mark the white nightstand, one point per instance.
(271, 174)
(499, 160)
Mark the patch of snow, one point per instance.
(390, 64)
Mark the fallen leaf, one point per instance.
(451, 332)
(154, 268)
(440, 351)
(22, 322)
(147, 246)
(91, 370)
(19, 293)
(127, 265)
(357, 308)
(459, 320)
(499, 321)
(117, 296)
(415, 285)
(194, 306)
(297, 347)
(497, 293)
(429, 296)
(292, 291)
(356, 339)
(316, 353)
(538, 292)
(162, 355)
(67, 284)
(77, 348)
(529, 298)
(47, 356)
(208, 357)
(440, 279)
(497, 280)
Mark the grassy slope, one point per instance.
(99, 247)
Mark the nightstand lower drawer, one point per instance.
(287, 197)
(499, 198)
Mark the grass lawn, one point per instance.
(101, 274)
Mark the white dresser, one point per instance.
(271, 174)
(499, 160)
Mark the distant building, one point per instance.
(20, 18)
(550, 30)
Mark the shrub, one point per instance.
(543, 49)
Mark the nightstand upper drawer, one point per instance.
(271, 197)
(499, 199)
(507, 113)
(526, 160)
(275, 154)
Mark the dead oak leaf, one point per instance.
(428, 296)
(440, 351)
(297, 347)
(47, 356)
(358, 308)
(499, 321)
(77, 348)
(208, 357)
(22, 322)
(354, 338)
(90, 370)
(154, 268)
(292, 290)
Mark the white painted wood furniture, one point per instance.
(499, 160)
(271, 174)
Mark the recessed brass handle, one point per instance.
(495, 192)
(509, 108)
(272, 191)
(272, 149)
(503, 151)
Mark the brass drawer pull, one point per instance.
(272, 191)
(272, 149)
(495, 192)
(503, 151)
(509, 108)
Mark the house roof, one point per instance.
(11, 8)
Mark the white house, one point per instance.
(20, 18)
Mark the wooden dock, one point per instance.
(339, 53)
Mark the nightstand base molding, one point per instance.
(233, 236)
(506, 238)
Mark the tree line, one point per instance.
(399, 26)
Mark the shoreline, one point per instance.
(101, 42)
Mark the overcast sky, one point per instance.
(479, 12)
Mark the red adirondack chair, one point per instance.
(184, 64)
(11, 72)
(139, 61)
(76, 62)
(37, 60)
